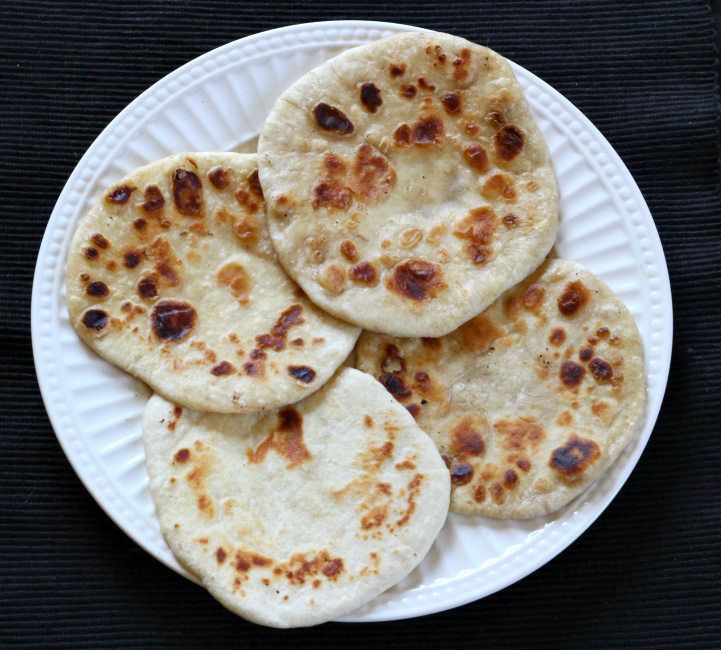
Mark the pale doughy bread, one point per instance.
(172, 277)
(407, 183)
(531, 401)
(297, 517)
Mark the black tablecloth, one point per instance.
(646, 575)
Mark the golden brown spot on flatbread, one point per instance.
(253, 181)
(248, 199)
(219, 177)
(557, 336)
(332, 277)
(395, 385)
(600, 409)
(413, 409)
(422, 382)
(364, 273)
(304, 374)
(410, 237)
(368, 421)
(374, 517)
(120, 194)
(574, 297)
(571, 374)
(153, 201)
(182, 455)
(90, 253)
(349, 251)
(425, 85)
(461, 65)
(495, 119)
(427, 130)
(332, 119)
(408, 91)
(332, 195)
(132, 257)
(173, 320)
(603, 332)
(508, 142)
(286, 440)
(477, 227)
(497, 492)
(451, 102)
(461, 473)
(499, 187)
(417, 280)
(564, 419)
(148, 286)
(188, 193)
(275, 339)
(370, 96)
(517, 435)
(167, 263)
(510, 479)
(478, 333)
(431, 342)
(574, 456)
(396, 69)
(141, 226)
(479, 493)
(585, 353)
(333, 165)
(402, 136)
(466, 439)
(471, 128)
(220, 555)
(523, 464)
(100, 241)
(223, 369)
(510, 221)
(301, 567)
(243, 561)
(476, 157)
(601, 369)
(406, 464)
(246, 230)
(372, 175)
(237, 279)
(97, 289)
(414, 488)
(205, 505)
(533, 297)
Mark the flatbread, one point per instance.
(408, 185)
(172, 277)
(293, 518)
(531, 401)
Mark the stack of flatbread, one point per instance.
(401, 188)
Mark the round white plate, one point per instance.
(218, 102)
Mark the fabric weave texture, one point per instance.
(645, 575)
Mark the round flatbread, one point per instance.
(407, 183)
(529, 402)
(172, 277)
(293, 518)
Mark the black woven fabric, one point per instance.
(646, 575)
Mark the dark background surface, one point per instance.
(645, 575)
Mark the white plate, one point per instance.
(219, 101)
